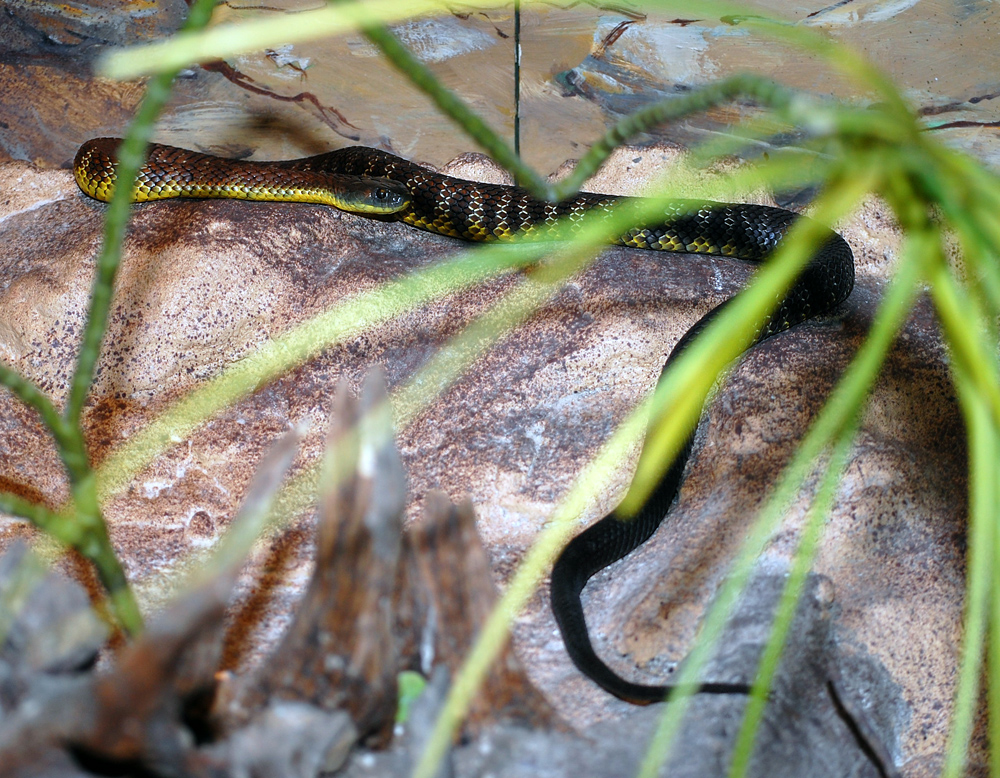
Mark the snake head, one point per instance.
(378, 195)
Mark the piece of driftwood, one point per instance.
(381, 600)
(136, 714)
(339, 651)
(448, 592)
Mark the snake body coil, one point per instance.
(369, 180)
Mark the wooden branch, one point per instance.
(447, 594)
(340, 651)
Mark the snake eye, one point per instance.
(384, 195)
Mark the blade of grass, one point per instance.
(858, 71)
(687, 384)
(49, 521)
(961, 321)
(984, 513)
(230, 40)
(837, 413)
(792, 106)
(450, 362)
(915, 257)
(494, 633)
(787, 608)
(299, 344)
(984, 454)
(969, 201)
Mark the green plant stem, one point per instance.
(698, 100)
(974, 369)
(131, 155)
(37, 514)
(89, 533)
(451, 105)
(917, 254)
(448, 364)
(229, 40)
(968, 199)
(984, 454)
(81, 528)
(69, 440)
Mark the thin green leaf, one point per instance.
(292, 348)
(984, 513)
(845, 402)
(454, 107)
(230, 40)
(962, 322)
(983, 430)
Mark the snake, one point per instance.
(375, 182)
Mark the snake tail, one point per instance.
(824, 284)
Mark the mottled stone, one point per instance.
(204, 284)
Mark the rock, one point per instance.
(290, 739)
(204, 284)
(806, 728)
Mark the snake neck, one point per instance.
(468, 210)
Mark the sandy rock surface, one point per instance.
(204, 284)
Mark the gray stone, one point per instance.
(289, 740)
(46, 622)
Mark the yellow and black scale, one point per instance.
(370, 181)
